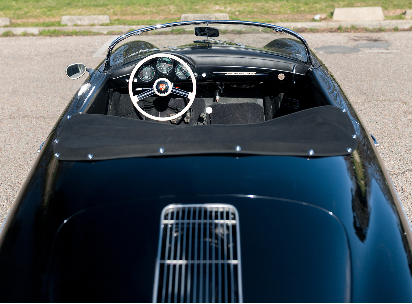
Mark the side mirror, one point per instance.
(206, 31)
(75, 70)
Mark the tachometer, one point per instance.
(164, 65)
(181, 72)
(146, 73)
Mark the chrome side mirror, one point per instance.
(75, 70)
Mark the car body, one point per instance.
(210, 171)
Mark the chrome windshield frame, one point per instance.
(137, 32)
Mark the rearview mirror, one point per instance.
(75, 70)
(206, 31)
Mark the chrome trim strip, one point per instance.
(294, 73)
(207, 22)
(258, 68)
(197, 221)
(231, 265)
(85, 104)
(375, 142)
(240, 73)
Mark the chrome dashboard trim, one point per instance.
(257, 68)
(240, 73)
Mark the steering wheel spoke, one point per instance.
(180, 92)
(145, 94)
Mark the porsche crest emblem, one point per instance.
(162, 86)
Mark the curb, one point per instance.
(401, 24)
(97, 29)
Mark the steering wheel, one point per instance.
(162, 87)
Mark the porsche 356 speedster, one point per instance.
(218, 161)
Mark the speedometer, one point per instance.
(146, 73)
(164, 65)
(181, 72)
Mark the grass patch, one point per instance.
(395, 17)
(138, 12)
(60, 33)
(119, 21)
(36, 24)
(351, 29)
(25, 34)
(267, 30)
(116, 32)
(180, 31)
(173, 31)
(7, 34)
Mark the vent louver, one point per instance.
(199, 255)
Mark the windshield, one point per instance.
(258, 37)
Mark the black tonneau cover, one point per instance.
(325, 130)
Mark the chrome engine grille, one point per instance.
(199, 255)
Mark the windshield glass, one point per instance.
(239, 36)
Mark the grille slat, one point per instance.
(198, 258)
(169, 291)
(178, 257)
(225, 256)
(207, 257)
(199, 221)
(232, 289)
(182, 262)
(190, 256)
(183, 258)
(214, 257)
(201, 257)
(165, 267)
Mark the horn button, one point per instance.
(162, 87)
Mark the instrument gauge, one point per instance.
(181, 72)
(146, 73)
(164, 65)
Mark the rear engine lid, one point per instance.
(285, 251)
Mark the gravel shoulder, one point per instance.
(378, 83)
(34, 91)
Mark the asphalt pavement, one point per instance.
(34, 91)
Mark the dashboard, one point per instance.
(217, 65)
